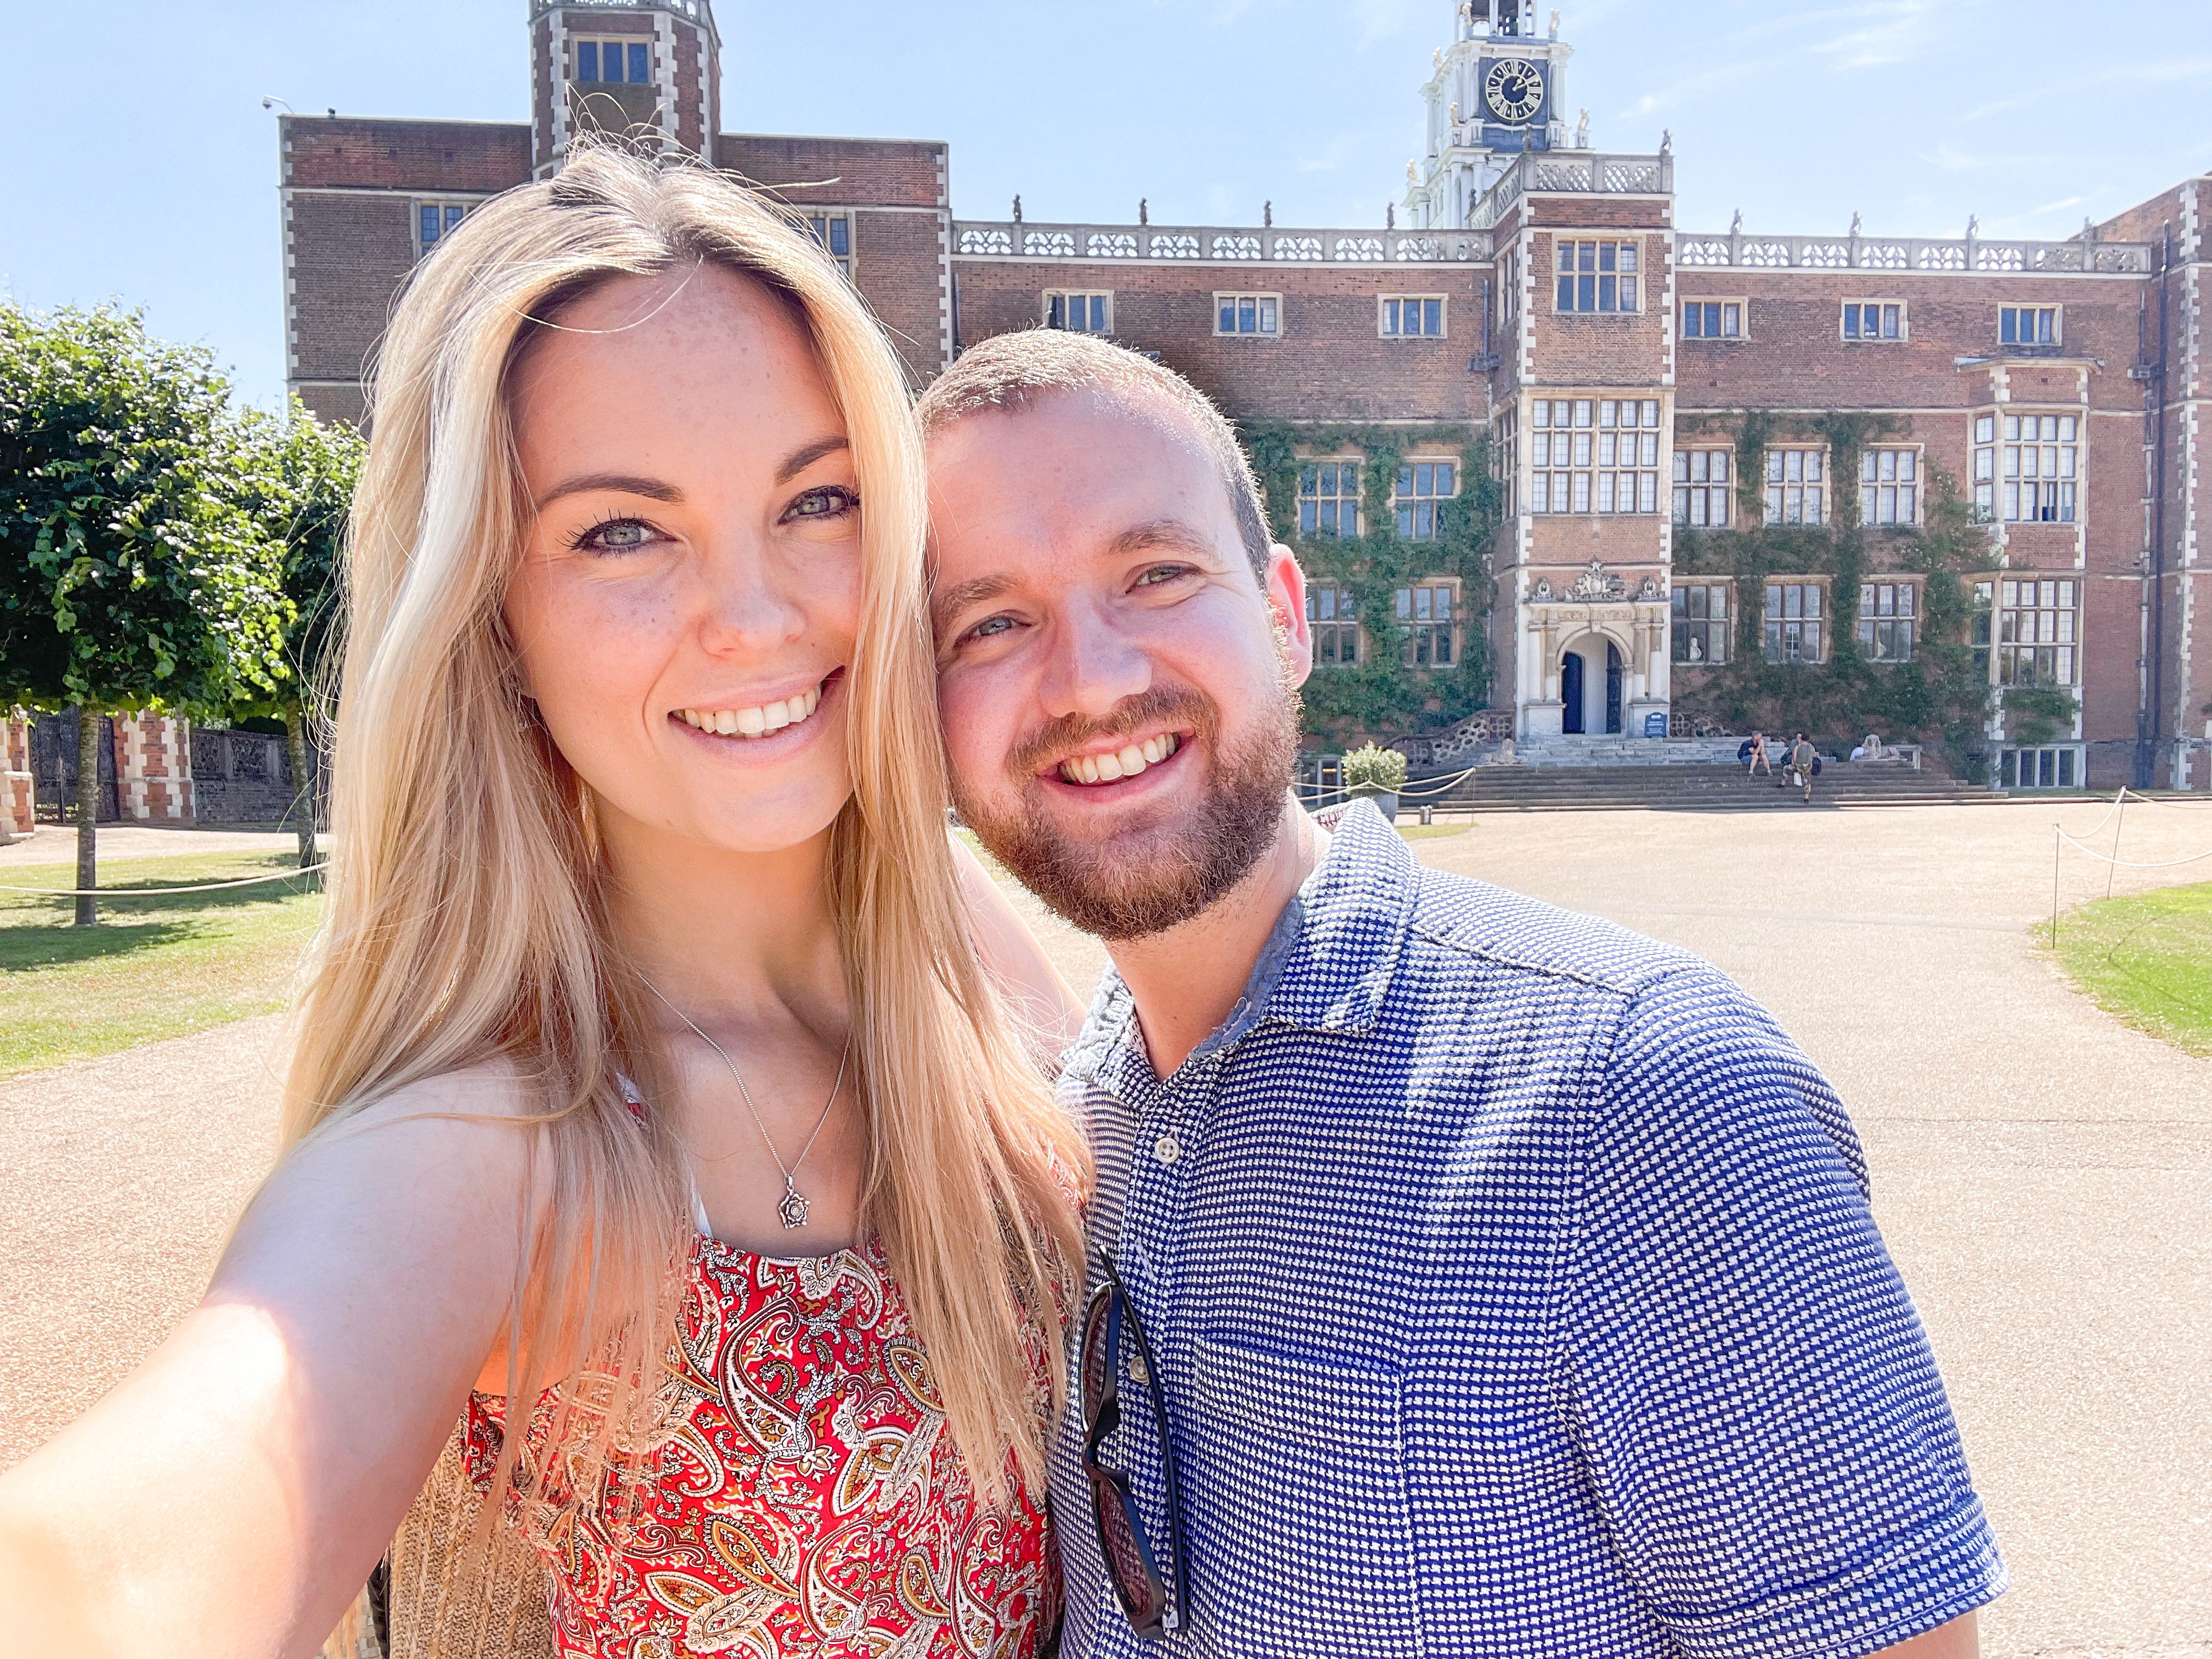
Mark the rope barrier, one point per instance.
(2113, 863)
(2177, 805)
(2125, 864)
(1414, 791)
(160, 892)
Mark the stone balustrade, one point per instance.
(1574, 172)
(1014, 239)
(689, 10)
(1988, 256)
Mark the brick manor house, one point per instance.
(1560, 470)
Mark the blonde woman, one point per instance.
(652, 1116)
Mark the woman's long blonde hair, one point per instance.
(468, 916)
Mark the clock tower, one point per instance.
(1497, 90)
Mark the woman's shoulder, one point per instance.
(492, 1091)
(476, 1117)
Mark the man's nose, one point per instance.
(1093, 666)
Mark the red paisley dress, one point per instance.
(801, 1495)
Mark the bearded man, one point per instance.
(1466, 1277)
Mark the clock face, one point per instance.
(1513, 89)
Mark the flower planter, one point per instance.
(1386, 801)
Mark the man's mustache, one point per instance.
(1161, 704)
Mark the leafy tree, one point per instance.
(130, 577)
(296, 477)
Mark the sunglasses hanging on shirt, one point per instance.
(1157, 1603)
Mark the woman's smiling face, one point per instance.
(688, 592)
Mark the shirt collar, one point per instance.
(1326, 966)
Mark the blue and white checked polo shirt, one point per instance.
(1512, 1290)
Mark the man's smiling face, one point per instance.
(1116, 683)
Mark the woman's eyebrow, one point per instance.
(618, 483)
(799, 460)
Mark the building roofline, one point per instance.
(397, 121)
(834, 138)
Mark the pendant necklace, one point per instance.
(792, 1209)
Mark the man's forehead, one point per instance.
(1144, 419)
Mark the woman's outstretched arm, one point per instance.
(1038, 993)
(229, 1499)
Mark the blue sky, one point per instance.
(144, 168)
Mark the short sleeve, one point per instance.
(1761, 1415)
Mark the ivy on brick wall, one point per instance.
(1381, 696)
(1941, 698)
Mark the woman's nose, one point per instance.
(745, 606)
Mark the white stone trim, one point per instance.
(663, 81)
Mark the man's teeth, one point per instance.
(755, 722)
(1124, 764)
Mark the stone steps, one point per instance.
(1688, 788)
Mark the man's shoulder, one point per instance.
(1462, 926)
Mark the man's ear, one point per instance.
(1287, 597)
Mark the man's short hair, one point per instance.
(1008, 371)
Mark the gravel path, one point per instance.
(2043, 1174)
(55, 843)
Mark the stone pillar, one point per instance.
(153, 768)
(18, 816)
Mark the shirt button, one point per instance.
(1167, 1149)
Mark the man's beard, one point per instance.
(1147, 880)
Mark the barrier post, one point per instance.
(2120, 817)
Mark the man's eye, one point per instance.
(988, 627)
(828, 502)
(1162, 573)
(614, 536)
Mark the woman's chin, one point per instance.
(766, 819)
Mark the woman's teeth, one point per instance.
(1126, 763)
(755, 722)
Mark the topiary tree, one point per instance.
(1369, 770)
(296, 478)
(130, 579)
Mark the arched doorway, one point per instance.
(1593, 686)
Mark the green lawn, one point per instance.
(2148, 960)
(155, 968)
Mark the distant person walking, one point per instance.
(1802, 760)
(1758, 756)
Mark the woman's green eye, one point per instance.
(616, 535)
(827, 502)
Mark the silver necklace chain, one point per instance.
(792, 1209)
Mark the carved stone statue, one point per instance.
(1855, 224)
(1735, 225)
(1666, 141)
(1389, 216)
(1413, 177)
(1018, 209)
(1555, 22)
(1973, 226)
(1143, 211)
(1454, 112)
(1582, 131)
(1597, 582)
(1268, 215)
